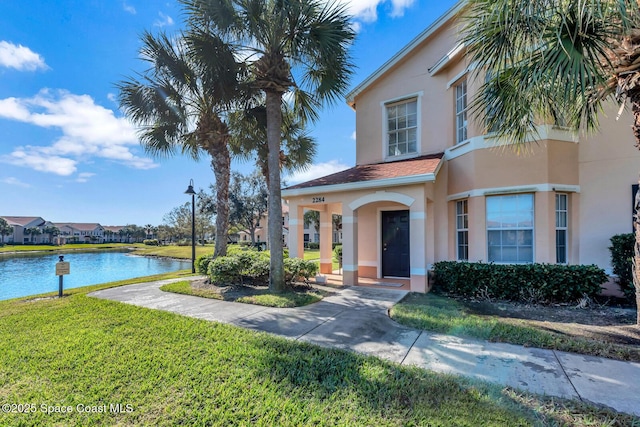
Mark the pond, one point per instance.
(23, 275)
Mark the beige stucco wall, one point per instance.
(410, 77)
(608, 166)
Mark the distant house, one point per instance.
(430, 183)
(22, 227)
(114, 234)
(79, 232)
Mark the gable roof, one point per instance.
(23, 221)
(402, 53)
(400, 172)
(81, 226)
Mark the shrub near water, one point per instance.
(519, 282)
(251, 267)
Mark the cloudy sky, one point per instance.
(66, 151)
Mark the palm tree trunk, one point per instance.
(635, 106)
(274, 221)
(221, 165)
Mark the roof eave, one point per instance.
(404, 52)
(363, 185)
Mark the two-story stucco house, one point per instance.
(431, 184)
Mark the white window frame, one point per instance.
(417, 97)
(460, 91)
(516, 229)
(562, 228)
(462, 226)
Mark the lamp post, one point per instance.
(193, 225)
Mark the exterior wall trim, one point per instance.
(382, 196)
(544, 132)
(515, 189)
(363, 185)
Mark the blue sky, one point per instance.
(66, 151)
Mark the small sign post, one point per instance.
(62, 268)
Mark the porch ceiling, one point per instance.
(401, 172)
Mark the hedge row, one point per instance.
(251, 267)
(537, 283)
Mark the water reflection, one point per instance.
(29, 274)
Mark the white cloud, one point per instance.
(87, 131)
(112, 97)
(163, 21)
(15, 181)
(353, 135)
(367, 10)
(128, 8)
(317, 171)
(84, 176)
(20, 57)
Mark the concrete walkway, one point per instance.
(356, 319)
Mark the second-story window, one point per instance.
(461, 111)
(402, 128)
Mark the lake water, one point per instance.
(23, 275)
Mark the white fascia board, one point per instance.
(405, 51)
(362, 185)
(445, 60)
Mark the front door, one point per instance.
(395, 244)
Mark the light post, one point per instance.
(191, 191)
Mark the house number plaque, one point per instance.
(317, 199)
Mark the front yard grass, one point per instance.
(446, 315)
(248, 295)
(91, 355)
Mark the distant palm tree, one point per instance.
(557, 61)
(179, 104)
(310, 36)
(5, 229)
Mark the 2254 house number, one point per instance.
(317, 199)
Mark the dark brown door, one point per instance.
(395, 244)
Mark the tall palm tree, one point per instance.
(5, 229)
(180, 102)
(558, 61)
(298, 46)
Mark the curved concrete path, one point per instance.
(357, 319)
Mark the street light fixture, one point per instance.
(191, 191)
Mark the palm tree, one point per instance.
(559, 61)
(180, 101)
(249, 140)
(298, 46)
(5, 229)
(51, 231)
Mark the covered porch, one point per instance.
(387, 222)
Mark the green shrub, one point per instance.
(299, 270)
(313, 245)
(337, 252)
(202, 263)
(537, 283)
(151, 242)
(622, 261)
(252, 267)
(225, 270)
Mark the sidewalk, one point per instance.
(356, 319)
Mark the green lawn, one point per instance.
(311, 254)
(173, 251)
(81, 352)
(261, 297)
(438, 313)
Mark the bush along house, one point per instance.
(431, 184)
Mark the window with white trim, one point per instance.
(462, 230)
(461, 111)
(402, 128)
(510, 221)
(562, 228)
